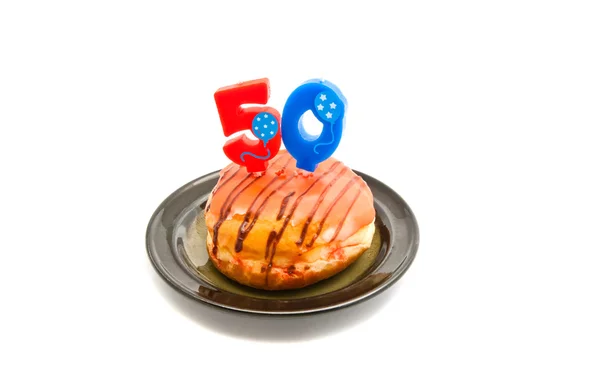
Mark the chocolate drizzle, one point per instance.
(316, 207)
(225, 208)
(225, 181)
(227, 204)
(322, 222)
(273, 245)
(270, 240)
(284, 203)
(245, 227)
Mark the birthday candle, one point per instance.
(263, 121)
(328, 105)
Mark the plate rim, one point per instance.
(164, 273)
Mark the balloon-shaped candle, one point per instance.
(265, 126)
(263, 121)
(328, 105)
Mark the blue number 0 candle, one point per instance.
(328, 105)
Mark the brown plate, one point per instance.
(176, 244)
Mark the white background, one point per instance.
(106, 108)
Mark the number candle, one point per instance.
(263, 121)
(328, 105)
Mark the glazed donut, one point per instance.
(288, 228)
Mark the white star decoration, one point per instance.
(329, 115)
(262, 134)
(258, 119)
(323, 97)
(256, 128)
(271, 132)
(332, 105)
(320, 107)
(266, 115)
(265, 125)
(272, 122)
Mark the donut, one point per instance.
(287, 228)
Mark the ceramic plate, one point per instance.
(176, 244)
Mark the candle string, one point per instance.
(262, 158)
(329, 142)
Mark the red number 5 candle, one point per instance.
(263, 121)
